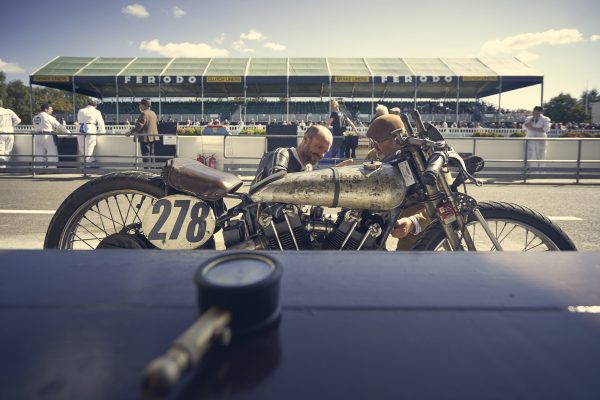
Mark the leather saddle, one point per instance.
(193, 177)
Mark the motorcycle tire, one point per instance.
(77, 204)
(516, 217)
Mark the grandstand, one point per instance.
(238, 82)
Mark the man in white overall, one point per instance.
(44, 146)
(90, 122)
(536, 126)
(8, 121)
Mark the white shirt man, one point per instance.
(8, 121)
(90, 122)
(44, 146)
(536, 126)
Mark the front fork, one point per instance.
(438, 194)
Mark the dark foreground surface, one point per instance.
(83, 325)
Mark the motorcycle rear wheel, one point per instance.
(517, 228)
(105, 211)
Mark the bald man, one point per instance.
(316, 142)
(413, 220)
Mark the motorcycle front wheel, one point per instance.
(517, 228)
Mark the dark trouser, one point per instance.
(350, 144)
(337, 148)
(147, 149)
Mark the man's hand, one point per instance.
(402, 228)
(128, 133)
(349, 161)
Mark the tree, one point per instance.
(588, 97)
(564, 108)
(2, 86)
(17, 99)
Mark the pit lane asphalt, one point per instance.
(27, 230)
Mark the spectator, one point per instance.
(536, 126)
(90, 122)
(379, 111)
(45, 141)
(146, 130)
(337, 123)
(8, 121)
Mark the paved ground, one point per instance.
(27, 204)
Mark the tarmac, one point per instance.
(28, 203)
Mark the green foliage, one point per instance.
(486, 134)
(15, 96)
(17, 99)
(564, 108)
(195, 131)
(579, 135)
(517, 134)
(252, 131)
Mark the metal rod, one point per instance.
(276, 235)
(287, 221)
(578, 176)
(117, 96)
(457, 98)
(487, 230)
(350, 232)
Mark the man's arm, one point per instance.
(101, 126)
(57, 125)
(15, 118)
(139, 125)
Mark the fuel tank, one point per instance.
(354, 187)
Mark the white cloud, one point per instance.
(595, 38)
(275, 46)
(184, 49)
(253, 35)
(136, 10)
(220, 39)
(240, 46)
(11, 68)
(178, 12)
(130, 43)
(519, 45)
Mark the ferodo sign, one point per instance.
(141, 80)
(410, 79)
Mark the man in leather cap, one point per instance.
(413, 220)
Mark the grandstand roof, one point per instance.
(278, 77)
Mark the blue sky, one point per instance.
(558, 38)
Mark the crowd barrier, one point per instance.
(567, 158)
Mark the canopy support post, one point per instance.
(415, 94)
(117, 96)
(73, 97)
(202, 99)
(159, 100)
(31, 101)
(542, 94)
(499, 100)
(457, 97)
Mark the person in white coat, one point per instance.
(8, 121)
(90, 122)
(45, 141)
(536, 126)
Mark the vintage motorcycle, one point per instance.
(346, 208)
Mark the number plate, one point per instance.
(178, 222)
(446, 213)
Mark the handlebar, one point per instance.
(434, 166)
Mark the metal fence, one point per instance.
(506, 158)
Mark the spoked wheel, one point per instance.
(105, 213)
(517, 228)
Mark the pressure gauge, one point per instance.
(246, 284)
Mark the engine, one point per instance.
(287, 227)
